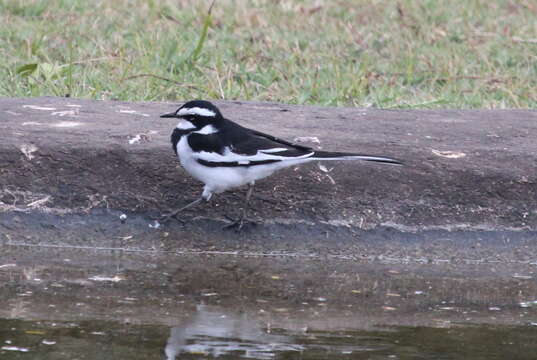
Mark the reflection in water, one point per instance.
(214, 333)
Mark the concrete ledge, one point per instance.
(70, 167)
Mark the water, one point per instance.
(97, 304)
(213, 333)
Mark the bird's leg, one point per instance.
(206, 195)
(167, 217)
(240, 221)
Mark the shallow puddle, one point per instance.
(97, 304)
(212, 332)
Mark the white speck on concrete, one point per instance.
(35, 107)
(125, 111)
(39, 202)
(28, 150)
(65, 113)
(48, 342)
(66, 124)
(524, 277)
(136, 139)
(139, 138)
(106, 278)
(15, 348)
(155, 225)
(122, 217)
(331, 179)
(448, 154)
(311, 139)
(31, 123)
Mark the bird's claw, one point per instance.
(165, 218)
(237, 224)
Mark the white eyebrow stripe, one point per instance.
(195, 111)
(207, 130)
(274, 150)
(185, 125)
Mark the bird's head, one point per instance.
(196, 115)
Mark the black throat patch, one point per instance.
(176, 136)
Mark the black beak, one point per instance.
(169, 115)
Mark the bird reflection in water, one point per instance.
(213, 333)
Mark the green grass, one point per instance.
(386, 54)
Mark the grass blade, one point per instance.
(195, 54)
(26, 70)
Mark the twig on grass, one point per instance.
(516, 39)
(449, 78)
(81, 62)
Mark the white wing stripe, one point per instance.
(373, 158)
(230, 156)
(354, 157)
(268, 151)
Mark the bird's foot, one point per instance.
(266, 199)
(238, 223)
(173, 214)
(165, 218)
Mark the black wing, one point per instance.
(248, 142)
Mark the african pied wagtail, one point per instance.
(224, 155)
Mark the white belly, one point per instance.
(219, 179)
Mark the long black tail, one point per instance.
(325, 155)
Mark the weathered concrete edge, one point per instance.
(101, 229)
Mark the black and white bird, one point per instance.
(224, 155)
